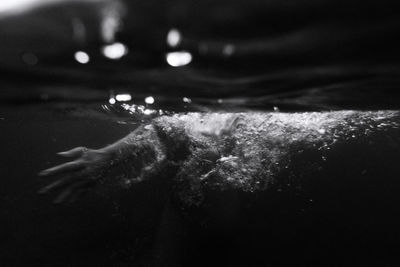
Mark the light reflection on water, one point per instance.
(149, 100)
(123, 97)
(82, 57)
(174, 38)
(114, 51)
(179, 59)
(187, 67)
(16, 5)
(141, 109)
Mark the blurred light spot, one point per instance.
(111, 20)
(112, 101)
(82, 57)
(114, 51)
(174, 38)
(178, 59)
(78, 30)
(30, 59)
(228, 50)
(108, 28)
(149, 100)
(276, 109)
(187, 100)
(220, 101)
(8, 5)
(123, 97)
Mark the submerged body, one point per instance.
(247, 152)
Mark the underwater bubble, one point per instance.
(148, 112)
(228, 158)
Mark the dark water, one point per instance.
(109, 228)
(344, 213)
(311, 56)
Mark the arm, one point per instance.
(136, 157)
(244, 151)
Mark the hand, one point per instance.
(78, 176)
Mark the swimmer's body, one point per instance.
(221, 151)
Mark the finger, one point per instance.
(57, 184)
(69, 166)
(78, 194)
(69, 191)
(75, 152)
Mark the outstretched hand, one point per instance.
(76, 177)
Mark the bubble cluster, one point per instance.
(248, 151)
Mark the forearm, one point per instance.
(241, 151)
(138, 152)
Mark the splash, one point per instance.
(247, 151)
